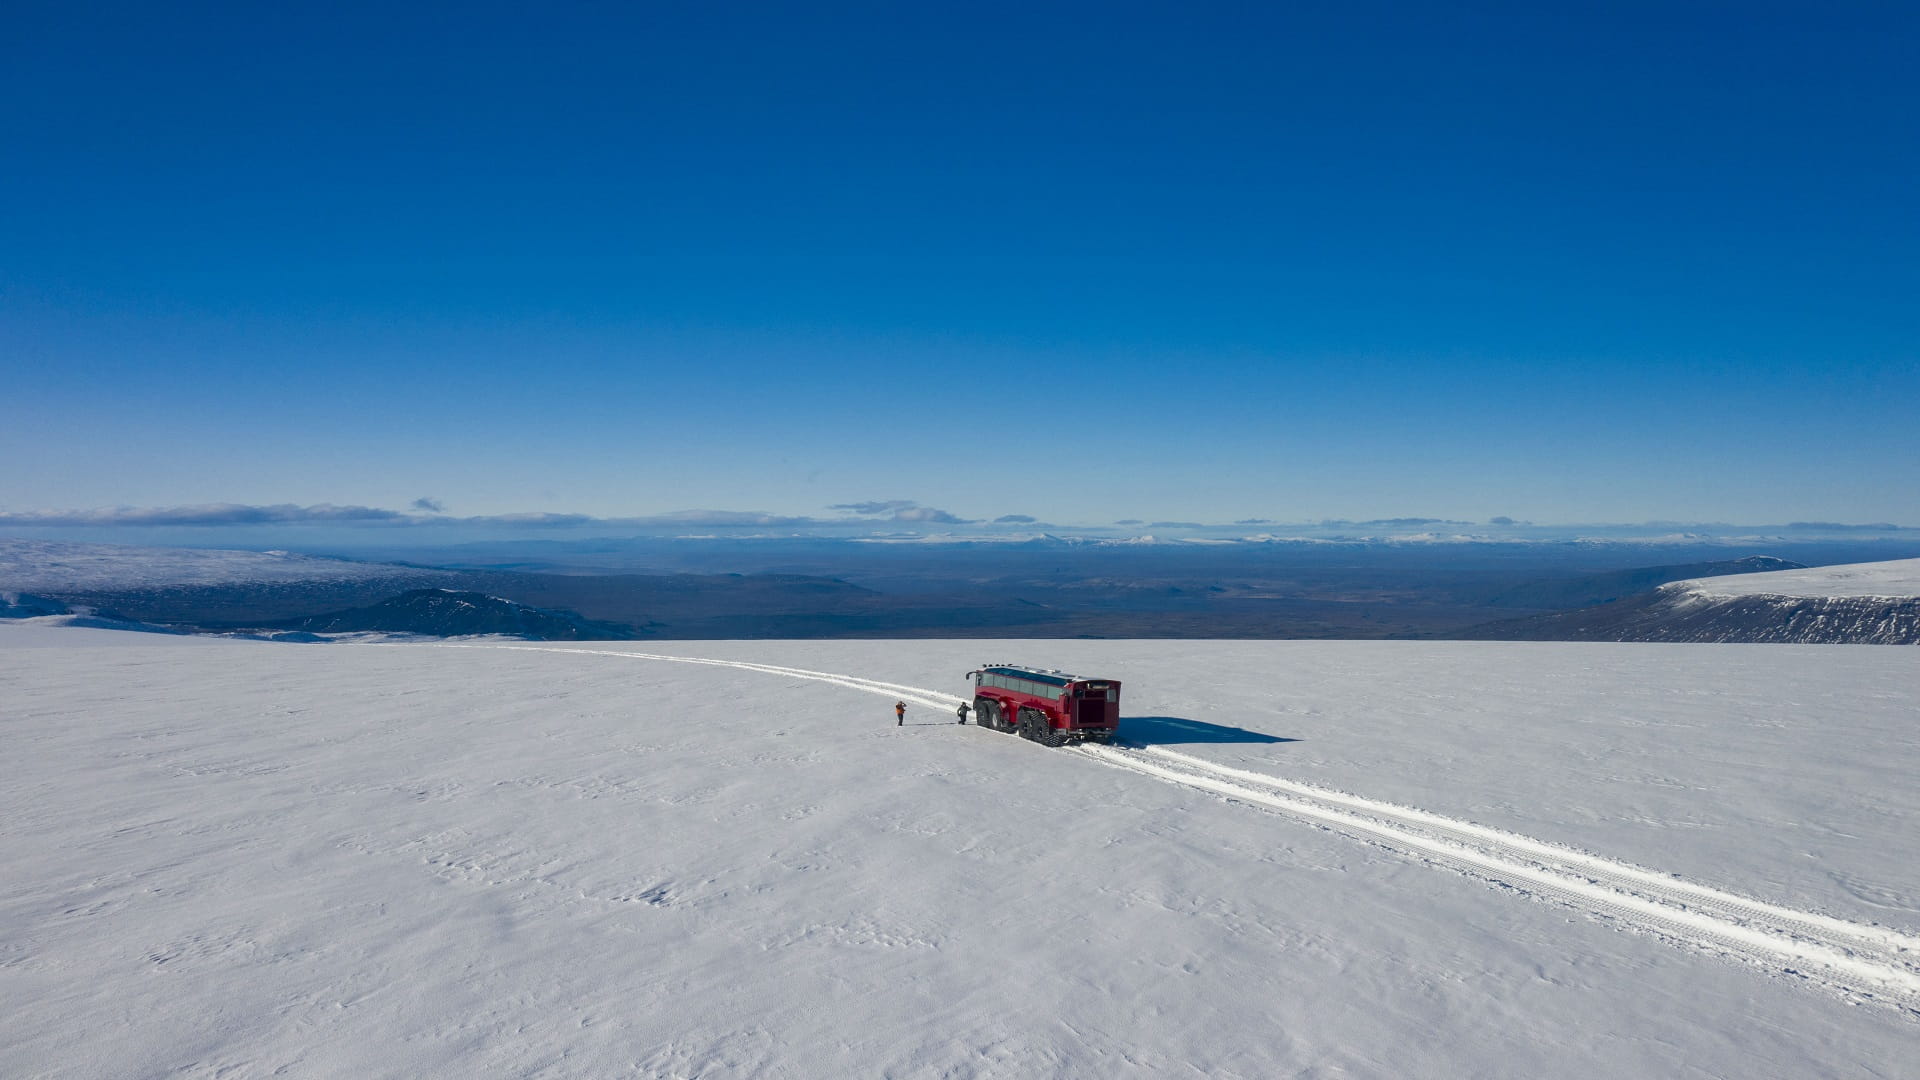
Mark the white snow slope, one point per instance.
(498, 859)
(1895, 579)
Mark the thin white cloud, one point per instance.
(221, 514)
(875, 507)
(206, 514)
(902, 511)
(888, 512)
(925, 514)
(720, 517)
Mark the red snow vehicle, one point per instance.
(1050, 707)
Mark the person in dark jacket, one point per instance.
(899, 713)
(961, 712)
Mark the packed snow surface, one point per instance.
(46, 566)
(1898, 578)
(1378, 859)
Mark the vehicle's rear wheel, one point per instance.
(1034, 726)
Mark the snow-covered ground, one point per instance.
(1384, 859)
(35, 565)
(1898, 578)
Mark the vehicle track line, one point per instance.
(933, 699)
(1867, 962)
(1625, 874)
(1792, 942)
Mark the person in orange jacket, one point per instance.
(899, 713)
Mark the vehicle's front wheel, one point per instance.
(985, 715)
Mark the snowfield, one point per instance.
(1377, 859)
(1897, 579)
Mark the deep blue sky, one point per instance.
(1084, 262)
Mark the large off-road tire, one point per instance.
(1034, 726)
(985, 714)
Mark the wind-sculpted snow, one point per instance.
(723, 858)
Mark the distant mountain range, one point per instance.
(449, 613)
(28, 606)
(1009, 590)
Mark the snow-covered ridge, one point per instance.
(46, 566)
(1896, 579)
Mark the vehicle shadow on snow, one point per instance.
(1169, 730)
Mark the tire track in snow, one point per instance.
(1865, 962)
(933, 699)
(1625, 876)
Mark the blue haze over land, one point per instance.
(908, 270)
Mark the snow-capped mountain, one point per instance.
(1854, 603)
(1602, 588)
(1898, 579)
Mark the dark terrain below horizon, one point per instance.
(820, 590)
